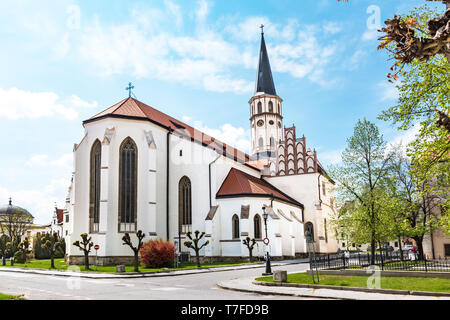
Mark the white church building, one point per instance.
(137, 168)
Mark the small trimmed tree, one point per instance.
(20, 256)
(193, 244)
(250, 244)
(127, 241)
(52, 242)
(4, 248)
(85, 245)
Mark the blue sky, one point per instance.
(63, 61)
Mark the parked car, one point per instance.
(408, 247)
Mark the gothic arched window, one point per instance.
(271, 106)
(184, 204)
(257, 227)
(260, 107)
(94, 194)
(128, 186)
(261, 142)
(235, 227)
(309, 227)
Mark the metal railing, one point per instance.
(395, 261)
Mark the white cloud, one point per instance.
(248, 30)
(43, 160)
(305, 57)
(330, 157)
(77, 102)
(371, 35)
(174, 9)
(199, 61)
(202, 10)
(388, 91)
(332, 27)
(231, 135)
(39, 202)
(403, 139)
(355, 60)
(17, 104)
(205, 59)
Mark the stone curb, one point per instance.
(304, 295)
(164, 273)
(384, 291)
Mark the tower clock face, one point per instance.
(260, 123)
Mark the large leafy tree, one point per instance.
(14, 224)
(419, 43)
(420, 37)
(361, 181)
(424, 101)
(416, 207)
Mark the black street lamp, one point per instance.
(268, 268)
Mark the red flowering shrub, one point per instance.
(157, 253)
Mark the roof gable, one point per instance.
(239, 183)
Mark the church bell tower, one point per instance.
(266, 118)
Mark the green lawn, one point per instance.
(60, 264)
(9, 297)
(399, 283)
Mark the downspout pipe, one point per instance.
(210, 187)
(167, 180)
(318, 188)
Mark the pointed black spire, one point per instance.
(264, 80)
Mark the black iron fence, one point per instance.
(393, 260)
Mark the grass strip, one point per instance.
(60, 264)
(397, 283)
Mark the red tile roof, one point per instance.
(132, 108)
(60, 215)
(239, 183)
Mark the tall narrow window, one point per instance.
(260, 107)
(272, 141)
(447, 250)
(235, 221)
(257, 226)
(261, 142)
(309, 227)
(185, 205)
(94, 194)
(128, 186)
(270, 106)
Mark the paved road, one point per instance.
(195, 286)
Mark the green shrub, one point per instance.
(20, 257)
